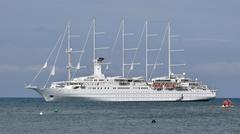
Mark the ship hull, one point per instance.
(50, 94)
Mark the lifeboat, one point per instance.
(161, 85)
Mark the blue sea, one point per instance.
(22, 116)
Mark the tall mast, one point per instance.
(146, 31)
(94, 37)
(69, 53)
(169, 50)
(123, 47)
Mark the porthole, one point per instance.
(51, 96)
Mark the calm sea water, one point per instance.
(21, 116)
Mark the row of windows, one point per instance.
(123, 88)
(95, 80)
(102, 83)
(96, 83)
(98, 88)
(117, 88)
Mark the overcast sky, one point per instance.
(208, 31)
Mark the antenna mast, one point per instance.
(169, 51)
(123, 47)
(94, 37)
(146, 71)
(69, 53)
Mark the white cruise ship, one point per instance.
(98, 87)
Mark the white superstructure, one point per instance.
(119, 88)
(101, 88)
